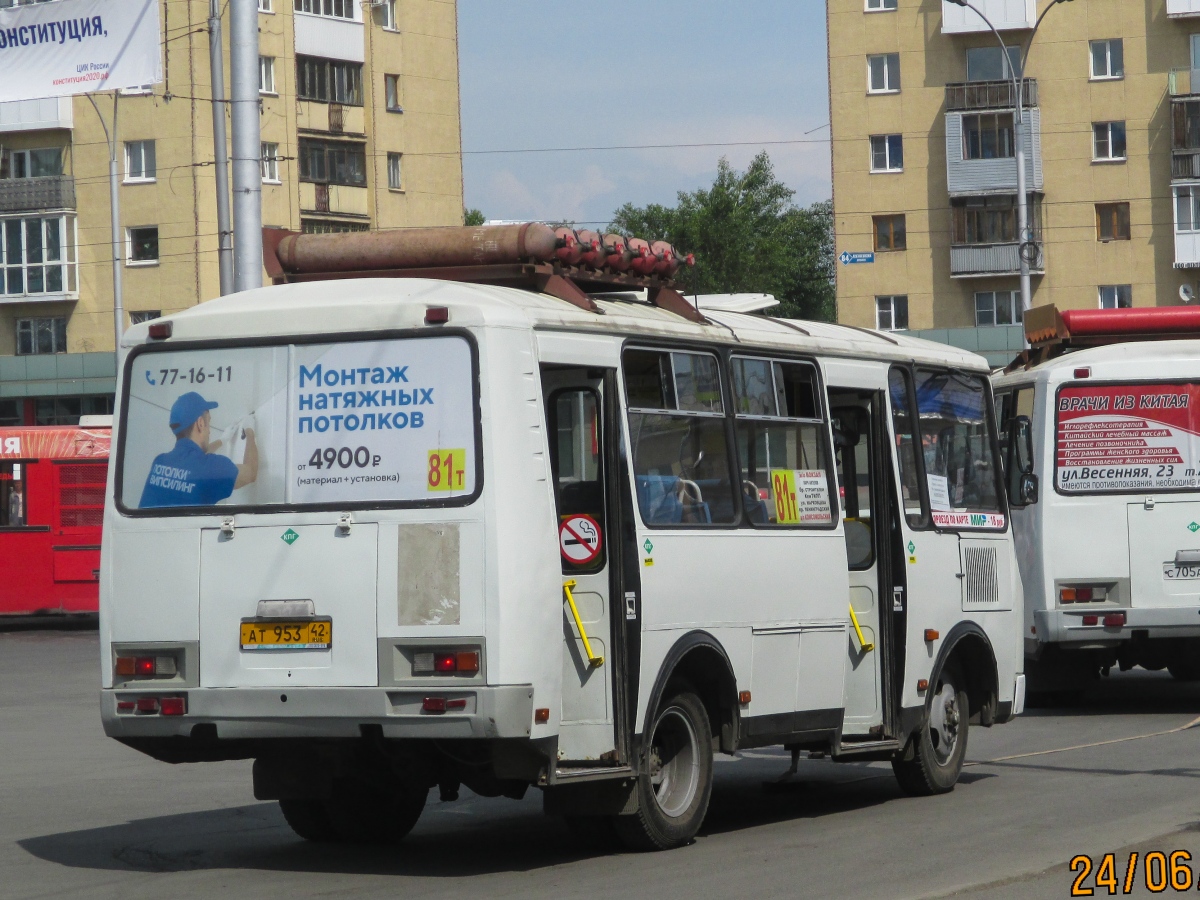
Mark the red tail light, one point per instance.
(145, 665)
(1114, 620)
(445, 662)
(434, 705)
(147, 704)
(173, 706)
(1091, 620)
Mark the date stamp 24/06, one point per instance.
(1109, 876)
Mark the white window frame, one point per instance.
(395, 166)
(880, 6)
(317, 8)
(891, 77)
(889, 168)
(129, 260)
(266, 76)
(1187, 221)
(1108, 126)
(1014, 308)
(391, 94)
(1114, 291)
(890, 312)
(135, 151)
(1107, 75)
(387, 16)
(67, 260)
(26, 156)
(269, 165)
(139, 91)
(266, 6)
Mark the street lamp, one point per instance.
(1026, 246)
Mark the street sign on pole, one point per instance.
(856, 259)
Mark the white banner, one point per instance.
(78, 46)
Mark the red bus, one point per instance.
(52, 481)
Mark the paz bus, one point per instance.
(1104, 410)
(52, 482)
(511, 523)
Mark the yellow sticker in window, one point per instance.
(447, 470)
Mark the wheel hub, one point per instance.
(674, 762)
(945, 720)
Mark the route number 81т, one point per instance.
(345, 458)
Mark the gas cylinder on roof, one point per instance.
(644, 261)
(569, 251)
(591, 245)
(617, 255)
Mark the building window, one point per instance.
(139, 91)
(44, 335)
(38, 256)
(139, 161)
(11, 413)
(321, 226)
(266, 75)
(991, 220)
(1187, 208)
(333, 162)
(391, 85)
(1112, 222)
(264, 6)
(887, 153)
(881, 5)
(141, 246)
(395, 181)
(1108, 141)
(1116, 296)
(385, 15)
(44, 163)
(890, 233)
(997, 308)
(883, 73)
(337, 9)
(67, 410)
(1108, 58)
(329, 81)
(144, 315)
(988, 136)
(989, 63)
(270, 163)
(891, 313)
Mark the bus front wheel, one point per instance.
(937, 751)
(674, 789)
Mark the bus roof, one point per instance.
(54, 442)
(379, 304)
(1156, 351)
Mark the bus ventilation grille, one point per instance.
(81, 495)
(981, 586)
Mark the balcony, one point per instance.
(28, 194)
(1183, 9)
(330, 38)
(975, 95)
(996, 174)
(37, 115)
(334, 118)
(984, 260)
(1006, 15)
(1185, 125)
(334, 199)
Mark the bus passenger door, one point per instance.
(580, 461)
(856, 435)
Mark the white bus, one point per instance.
(475, 535)
(1110, 551)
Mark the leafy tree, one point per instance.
(748, 237)
(472, 217)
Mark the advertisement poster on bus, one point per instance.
(1129, 437)
(364, 421)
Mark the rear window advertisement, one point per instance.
(370, 421)
(1127, 437)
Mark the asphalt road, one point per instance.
(84, 817)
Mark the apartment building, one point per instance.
(923, 105)
(360, 130)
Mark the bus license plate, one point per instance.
(316, 634)
(1188, 572)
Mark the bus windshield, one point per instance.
(361, 422)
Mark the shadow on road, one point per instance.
(1136, 692)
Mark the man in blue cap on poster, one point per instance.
(193, 474)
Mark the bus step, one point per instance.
(595, 773)
(861, 749)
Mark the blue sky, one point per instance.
(539, 74)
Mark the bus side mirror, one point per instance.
(1020, 455)
(1030, 489)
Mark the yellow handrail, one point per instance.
(593, 660)
(866, 648)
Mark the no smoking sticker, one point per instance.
(579, 539)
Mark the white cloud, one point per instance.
(508, 197)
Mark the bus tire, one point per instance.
(674, 789)
(1185, 670)
(309, 819)
(939, 748)
(363, 813)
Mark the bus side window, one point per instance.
(677, 432)
(910, 476)
(781, 441)
(576, 458)
(13, 502)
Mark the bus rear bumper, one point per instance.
(1067, 627)
(249, 713)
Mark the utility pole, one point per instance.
(114, 199)
(247, 147)
(220, 147)
(1026, 246)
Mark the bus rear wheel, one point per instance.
(938, 750)
(309, 819)
(674, 789)
(362, 813)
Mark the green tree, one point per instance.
(748, 236)
(472, 217)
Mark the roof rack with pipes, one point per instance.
(1051, 332)
(561, 262)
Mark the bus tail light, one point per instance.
(1114, 620)
(446, 662)
(1091, 594)
(146, 666)
(1091, 620)
(147, 705)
